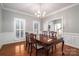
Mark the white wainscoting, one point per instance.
(8, 37)
(71, 39)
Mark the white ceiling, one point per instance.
(31, 8)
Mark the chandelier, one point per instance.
(40, 13)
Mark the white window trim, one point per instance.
(18, 29)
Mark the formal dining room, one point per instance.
(39, 29)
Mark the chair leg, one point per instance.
(26, 44)
(42, 51)
(30, 49)
(25, 47)
(62, 47)
(36, 52)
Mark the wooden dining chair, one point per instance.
(50, 33)
(53, 35)
(26, 36)
(45, 33)
(28, 42)
(36, 45)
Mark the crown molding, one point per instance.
(62, 9)
(52, 13)
(17, 11)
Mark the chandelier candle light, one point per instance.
(40, 14)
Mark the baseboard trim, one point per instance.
(0, 47)
(11, 43)
(72, 45)
(14, 43)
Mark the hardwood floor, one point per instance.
(18, 49)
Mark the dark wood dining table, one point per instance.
(47, 41)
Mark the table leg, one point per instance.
(36, 52)
(52, 49)
(62, 47)
(55, 47)
(47, 52)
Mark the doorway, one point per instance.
(56, 25)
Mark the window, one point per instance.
(19, 27)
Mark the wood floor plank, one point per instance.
(18, 49)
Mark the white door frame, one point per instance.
(46, 23)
